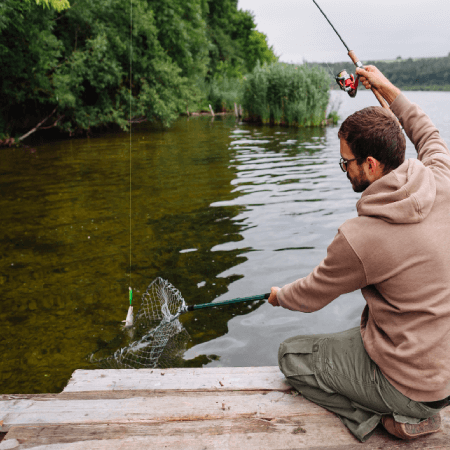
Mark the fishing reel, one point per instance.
(347, 82)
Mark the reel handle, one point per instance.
(358, 63)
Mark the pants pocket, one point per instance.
(295, 356)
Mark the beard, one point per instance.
(359, 183)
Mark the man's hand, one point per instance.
(371, 77)
(273, 300)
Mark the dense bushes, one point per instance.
(73, 67)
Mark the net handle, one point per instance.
(229, 302)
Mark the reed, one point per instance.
(287, 95)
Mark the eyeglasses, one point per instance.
(343, 163)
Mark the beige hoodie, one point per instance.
(397, 251)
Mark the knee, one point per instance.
(285, 357)
(281, 351)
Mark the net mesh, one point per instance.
(157, 337)
(161, 301)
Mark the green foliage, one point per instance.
(224, 92)
(181, 31)
(80, 61)
(235, 46)
(28, 53)
(96, 60)
(58, 5)
(333, 117)
(258, 50)
(286, 94)
(97, 73)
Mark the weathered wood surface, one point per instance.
(150, 407)
(249, 434)
(214, 378)
(189, 410)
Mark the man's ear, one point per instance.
(374, 164)
(375, 167)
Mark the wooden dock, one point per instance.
(247, 408)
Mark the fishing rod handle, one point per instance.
(229, 302)
(358, 63)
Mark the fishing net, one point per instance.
(160, 302)
(157, 338)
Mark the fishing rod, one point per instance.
(253, 298)
(349, 83)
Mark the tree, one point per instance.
(28, 52)
(257, 49)
(79, 61)
(236, 46)
(181, 31)
(75, 68)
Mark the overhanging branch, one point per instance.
(38, 125)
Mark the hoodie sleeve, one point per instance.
(339, 273)
(421, 132)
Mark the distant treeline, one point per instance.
(73, 68)
(407, 74)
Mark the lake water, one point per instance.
(220, 209)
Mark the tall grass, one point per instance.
(286, 94)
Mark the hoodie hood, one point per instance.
(405, 195)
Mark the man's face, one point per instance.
(355, 172)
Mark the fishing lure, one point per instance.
(130, 316)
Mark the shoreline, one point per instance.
(11, 142)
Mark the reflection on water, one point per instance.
(220, 209)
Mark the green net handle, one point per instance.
(229, 302)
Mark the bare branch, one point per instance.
(138, 120)
(51, 126)
(37, 126)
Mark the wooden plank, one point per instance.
(213, 378)
(27, 396)
(171, 406)
(312, 432)
(202, 409)
(226, 408)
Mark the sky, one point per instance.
(375, 30)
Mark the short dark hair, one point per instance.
(375, 132)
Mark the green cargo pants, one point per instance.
(335, 372)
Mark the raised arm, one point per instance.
(371, 77)
(419, 128)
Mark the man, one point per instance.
(395, 367)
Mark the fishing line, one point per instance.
(131, 72)
(342, 40)
(329, 68)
